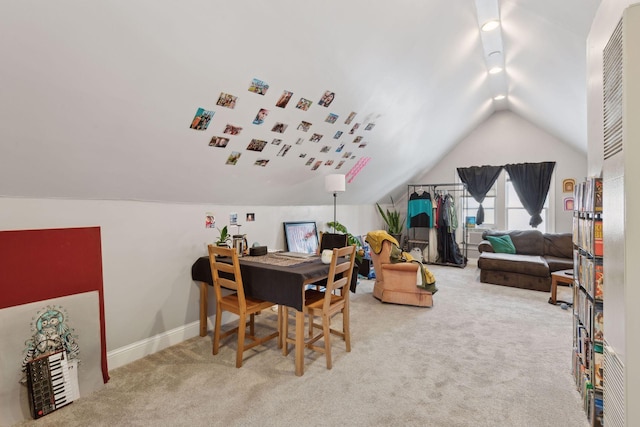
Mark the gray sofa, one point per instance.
(537, 256)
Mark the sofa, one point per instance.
(536, 256)
(396, 282)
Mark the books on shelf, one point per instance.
(598, 380)
(598, 293)
(588, 296)
(598, 323)
(597, 237)
(588, 195)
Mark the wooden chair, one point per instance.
(228, 276)
(324, 305)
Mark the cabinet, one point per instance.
(588, 298)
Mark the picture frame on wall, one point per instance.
(568, 204)
(568, 185)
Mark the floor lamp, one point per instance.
(333, 184)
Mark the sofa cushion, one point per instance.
(557, 263)
(502, 244)
(533, 265)
(527, 242)
(558, 245)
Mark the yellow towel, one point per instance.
(376, 237)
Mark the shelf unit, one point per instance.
(588, 301)
(421, 237)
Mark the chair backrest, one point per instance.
(384, 257)
(342, 263)
(226, 275)
(332, 241)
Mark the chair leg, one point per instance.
(216, 330)
(279, 326)
(327, 339)
(252, 325)
(310, 316)
(285, 330)
(242, 327)
(345, 327)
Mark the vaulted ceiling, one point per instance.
(97, 98)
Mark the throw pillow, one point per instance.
(502, 244)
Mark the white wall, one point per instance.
(507, 138)
(148, 250)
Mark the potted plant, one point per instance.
(224, 238)
(393, 220)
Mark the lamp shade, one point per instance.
(335, 183)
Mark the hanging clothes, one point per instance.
(420, 210)
(447, 223)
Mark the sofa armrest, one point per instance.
(485, 246)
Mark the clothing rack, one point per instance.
(446, 246)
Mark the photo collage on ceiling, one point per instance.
(270, 119)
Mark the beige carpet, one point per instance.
(484, 355)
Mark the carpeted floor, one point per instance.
(484, 355)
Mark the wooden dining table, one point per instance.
(270, 278)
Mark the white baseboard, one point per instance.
(138, 350)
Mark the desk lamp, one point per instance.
(333, 184)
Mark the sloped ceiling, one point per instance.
(97, 98)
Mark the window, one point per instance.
(489, 205)
(517, 216)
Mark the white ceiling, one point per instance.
(96, 98)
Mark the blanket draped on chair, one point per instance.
(375, 238)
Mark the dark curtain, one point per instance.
(479, 180)
(531, 182)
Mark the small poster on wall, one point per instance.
(331, 118)
(202, 119)
(256, 145)
(284, 150)
(284, 99)
(233, 158)
(304, 126)
(210, 220)
(227, 100)
(259, 87)
(352, 115)
(279, 127)
(327, 98)
(304, 104)
(218, 141)
(316, 137)
(232, 130)
(262, 114)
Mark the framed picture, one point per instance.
(568, 185)
(568, 203)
